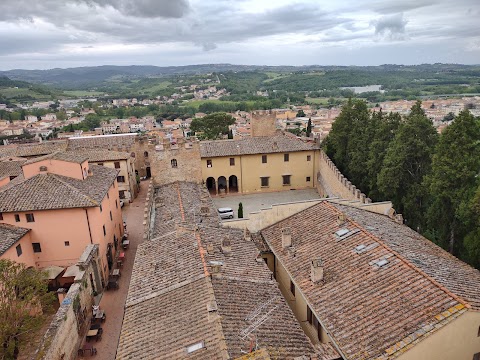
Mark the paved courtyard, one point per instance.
(113, 301)
(255, 202)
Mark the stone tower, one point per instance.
(263, 123)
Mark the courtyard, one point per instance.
(255, 202)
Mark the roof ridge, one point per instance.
(74, 188)
(403, 259)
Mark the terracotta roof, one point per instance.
(68, 156)
(176, 268)
(50, 191)
(29, 150)
(109, 142)
(99, 155)
(11, 168)
(369, 310)
(457, 276)
(9, 235)
(254, 145)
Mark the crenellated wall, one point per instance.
(332, 183)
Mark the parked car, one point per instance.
(225, 213)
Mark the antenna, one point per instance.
(259, 315)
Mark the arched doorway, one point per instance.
(232, 184)
(149, 172)
(211, 186)
(222, 185)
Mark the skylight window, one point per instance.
(382, 262)
(341, 232)
(195, 347)
(360, 248)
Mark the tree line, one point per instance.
(432, 179)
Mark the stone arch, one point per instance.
(233, 184)
(212, 185)
(222, 184)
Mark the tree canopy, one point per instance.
(212, 126)
(23, 300)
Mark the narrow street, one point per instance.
(113, 301)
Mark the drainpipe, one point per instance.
(89, 230)
(241, 174)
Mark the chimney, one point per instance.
(316, 274)
(399, 218)
(210, 249)
(286, 238)
(226, 246)
(246, 235)
(341, 219)
(216, 268)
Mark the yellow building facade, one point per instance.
(260, 164)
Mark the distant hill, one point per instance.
(24, 91)
(97, 76)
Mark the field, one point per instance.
(20, 93)
(83, 93)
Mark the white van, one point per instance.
(225, 213)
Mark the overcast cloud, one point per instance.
(65, 33)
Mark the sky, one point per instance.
(45, 34)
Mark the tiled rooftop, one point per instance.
(254, 145)
(9, 235)
(31, 150)
(50, 191)
(11, 168)
(98, 155)
(368, 310)
(69, 156)
(103, 142)
(177, 267)
(457, 276)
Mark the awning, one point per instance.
(72, 271)
(53, 271)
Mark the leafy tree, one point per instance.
(301, 113)
(454, 180)
(407, 162)
(23, 300)
(240, 211)
(213, 125)
(386, 127)
(92, 121)
(309, 127)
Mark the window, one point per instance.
(108, 196)
(117, 164)
(121, 195)
(101, 209)
(264, 159)
(308, 179)
(292, 288)
(12, 177)
(232, 161)
(209, 163)
(104, 231)
(286, 157)
(101, 164)
(111, 218)
(116, 203)
(174, 163)
(36, 247)
(19, 250)
(195, 347)
(309, 157)
(17, 218)
(145, 154)
(264, 181)
(1, 216)
(309, 315)
(121, 179)
(478, 334)
(476, 356)
(67, 243)
(30, 217)
(286, 179)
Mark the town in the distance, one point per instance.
(240, 212)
